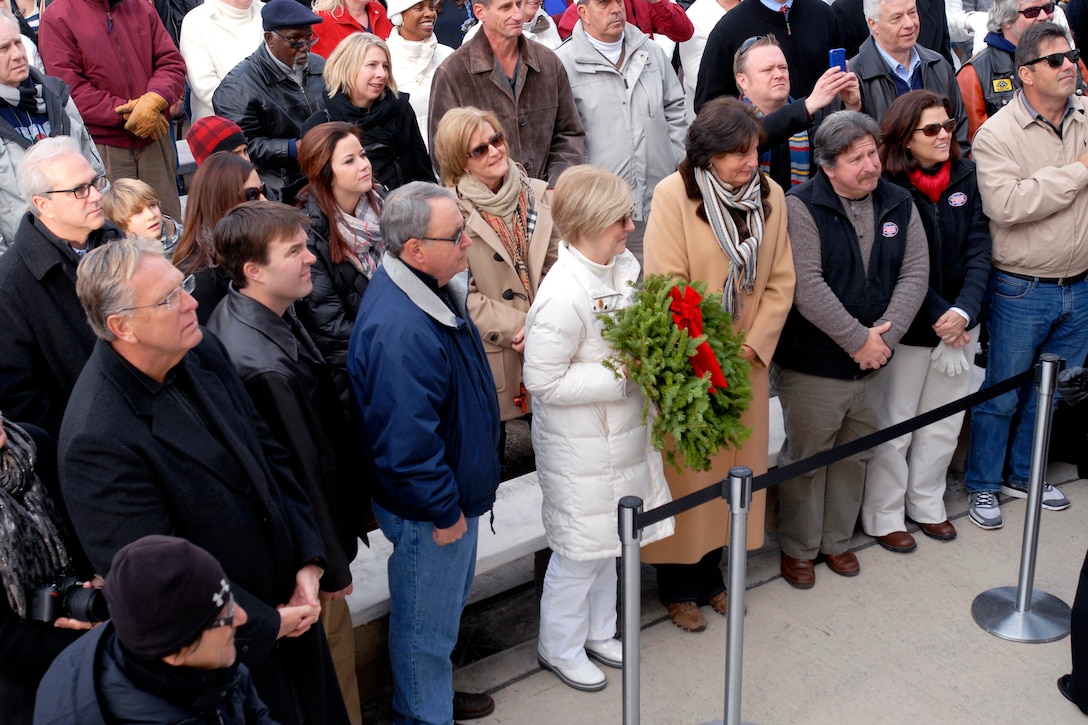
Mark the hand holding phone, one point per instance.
(837, 57)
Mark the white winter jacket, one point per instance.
(591, 446)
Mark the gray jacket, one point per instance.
(64, 120)
(649, 144)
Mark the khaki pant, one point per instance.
(155, 165)
(336, 618)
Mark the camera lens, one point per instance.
(87, 605)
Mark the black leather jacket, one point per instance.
(270, 107)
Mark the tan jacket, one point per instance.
(680, 243)
(1032, 190)
(492, 274)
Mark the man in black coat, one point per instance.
(262, 246)
(45, 335)
(160, 437)
(271, 93)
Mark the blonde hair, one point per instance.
(103, 279)
(452, 136)
(343, 64)
(588, 200)
(126, 197)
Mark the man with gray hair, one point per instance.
(424, 394)
(630, 102)
(33, 106)
(989, 80)
(862, 263)
(45, 335)
(891, 63)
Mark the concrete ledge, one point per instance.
(519, 531)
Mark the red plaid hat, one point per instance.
(213, 133)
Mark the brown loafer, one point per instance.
(720, 603)
(799, 573)
(844, 564)
(472, 705)
(901, 542)
(686, 616)
(943, 531)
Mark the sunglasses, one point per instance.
(626, 218)
(1057, 60)
(256, 194)
(298, 43)
(932, 129)
(498, 141)
(1032, 13)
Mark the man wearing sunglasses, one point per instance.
(891, 63)
(270, 94)
(167, 654)
(989, 80)
(1032, 158)
(45, 335)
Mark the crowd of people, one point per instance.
(406, 223)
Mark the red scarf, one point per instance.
(932, 184)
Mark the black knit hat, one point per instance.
(213, 133)
(278, 14)
(163, 592)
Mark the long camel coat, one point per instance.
(680, 243)
(492, 275)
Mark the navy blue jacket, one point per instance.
(426, 398)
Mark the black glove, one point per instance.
(1073, 385)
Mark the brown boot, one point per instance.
(686, 616)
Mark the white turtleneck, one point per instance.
(611, 51)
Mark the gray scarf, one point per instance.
(718, 199)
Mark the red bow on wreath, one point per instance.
(688, 316)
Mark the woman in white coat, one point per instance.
(591, 445)
(414, 52)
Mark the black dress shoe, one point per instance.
(1063, 687)
(472, 705)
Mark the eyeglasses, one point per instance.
(1057, 60)
(298, 43)
(255, 194)
(187, 286)
(932, 129)
(452, 240)
(83, 190)
(498, 141)
(1032, 13)
(227, 621)
(626, 217)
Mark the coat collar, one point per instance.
(263, 321)
(586, 54)
(538, 250)
(870, 65)
(482, 60)
(603, 296)
(41, 250)
(271, 72)
(423, 298)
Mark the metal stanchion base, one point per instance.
(1046, 621)
(719, 722)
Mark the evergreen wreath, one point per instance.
(680, 348)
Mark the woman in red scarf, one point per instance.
(931, 365)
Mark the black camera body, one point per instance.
(66, 597)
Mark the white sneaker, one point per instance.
(587, 677)
(984, 510)
(1053, 499)
(609, 652)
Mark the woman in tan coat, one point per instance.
(514, 243)
(719, 220)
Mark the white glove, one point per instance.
(949, 360)
(976, 24)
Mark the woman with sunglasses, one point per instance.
(720, 220)
(361, 90)
(344, 205)
(509, 219)
(221, 183)
(931, 365)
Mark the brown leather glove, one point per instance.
(144, 117)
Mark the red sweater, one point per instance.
(339, 24)
(664, 17)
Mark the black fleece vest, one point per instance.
(803, 346)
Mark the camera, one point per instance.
(66, 597)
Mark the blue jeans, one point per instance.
(1026, 319)
(428, 587)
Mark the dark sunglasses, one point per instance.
(256, 194)
(1056, 60)
(1032, 13)
(298, 44)
(932, 129)
(498, 141)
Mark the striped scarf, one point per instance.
(721, 202)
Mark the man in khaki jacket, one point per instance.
(1032, 158)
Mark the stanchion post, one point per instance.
(1023, 614)
(740, 499)
(631, 604)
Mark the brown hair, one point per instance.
(245, 232)
(451, 140)
(125, 198)
(218, 186)
(898, 126)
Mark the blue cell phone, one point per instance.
(837, 57)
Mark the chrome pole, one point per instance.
(631, 604)
(740, 499)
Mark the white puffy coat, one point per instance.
(591, 446)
